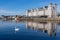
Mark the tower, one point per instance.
(55, 10)
(50, 10)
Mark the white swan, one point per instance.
(16, 29)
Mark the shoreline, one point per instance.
(35, 19)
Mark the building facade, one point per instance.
(50, 11)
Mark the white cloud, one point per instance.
(5, 11)
(8, 12)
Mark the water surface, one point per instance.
(29, 30)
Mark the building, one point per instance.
(49, 11)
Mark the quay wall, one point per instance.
(43, 19)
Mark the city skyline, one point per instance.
(18, 7)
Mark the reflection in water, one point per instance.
(46, 27)
(29, 30)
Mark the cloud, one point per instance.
(8, 12)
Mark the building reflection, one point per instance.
(46, 27)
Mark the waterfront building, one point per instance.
(49, 11)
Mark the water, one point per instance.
(29, 30)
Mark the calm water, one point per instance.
(29, 30)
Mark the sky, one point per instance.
(18, 7)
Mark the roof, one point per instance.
(46, 6)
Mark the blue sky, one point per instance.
(18, 7)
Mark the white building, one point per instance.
(50, 11)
